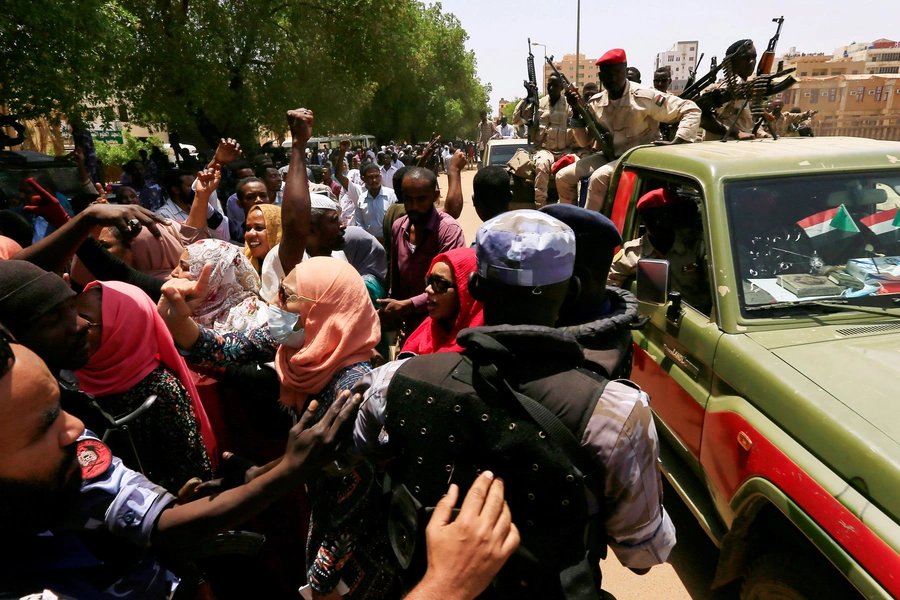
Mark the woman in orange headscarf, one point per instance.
(327, 299)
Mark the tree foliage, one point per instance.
(119, 154)
(395, 69)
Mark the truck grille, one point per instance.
(851, 331)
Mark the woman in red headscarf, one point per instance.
(450, 306)
(133, 357)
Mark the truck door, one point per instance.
(674, 352)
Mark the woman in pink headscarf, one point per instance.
(133, 357)
(327, 299)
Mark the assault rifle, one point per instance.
(600, 133)
(692, 72)
(532, 96)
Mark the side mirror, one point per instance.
(653, 281)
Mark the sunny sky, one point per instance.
(499, 29)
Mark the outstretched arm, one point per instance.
(309, 448)
(295, 207)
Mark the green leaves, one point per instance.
(399, 70)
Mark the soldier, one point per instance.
(552, 139)
(662, 79)
(517, 402)
(631, 113)
(715, 123)
(661, 212)
(633, 75)
(486, 131)
(786, 124)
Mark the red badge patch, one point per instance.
(94, 458)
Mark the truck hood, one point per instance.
(861, 372)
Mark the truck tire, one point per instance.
(777, 576)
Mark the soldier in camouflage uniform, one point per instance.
(446, 417)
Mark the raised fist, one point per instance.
(301, 123)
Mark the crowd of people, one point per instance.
(458, 419)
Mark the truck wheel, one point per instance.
(778, 576)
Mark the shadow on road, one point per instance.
(694, 557)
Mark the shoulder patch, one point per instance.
(94, 458)
(660, 99)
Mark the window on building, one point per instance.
(860, 93)
(836, 72)
(878, 94)
(871, 92)
(824, 93)
(814, 98)
(855, 72)
(802, 73)
(691, 48)
(832, 94)
(671, 59)
(677, 59)
(806, 94)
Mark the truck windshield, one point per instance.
(800, 239)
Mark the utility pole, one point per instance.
(578, 45)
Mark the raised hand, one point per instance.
(312, 447)
(301, 123)
(429, 150)
(345, 146)
(180, 297)
(228, 151)
(127, 218)
(458, 160)
(44, 204)
(207, 182)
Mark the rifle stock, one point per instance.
(602, 135)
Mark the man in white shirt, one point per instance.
(507, 131)
(372, 201)
(180, 186)
(387, 171)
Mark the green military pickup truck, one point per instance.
(777, 421)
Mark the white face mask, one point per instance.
(281, 326)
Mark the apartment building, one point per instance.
(680, 58)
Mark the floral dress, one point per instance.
(167, 442)
(348, 538)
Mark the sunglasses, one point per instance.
(285, 297)
(438, 284)
(7, 357)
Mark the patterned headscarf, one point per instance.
(272, 217)
(233, 303)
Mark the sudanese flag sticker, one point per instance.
(94, 458)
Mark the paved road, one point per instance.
(688, 573)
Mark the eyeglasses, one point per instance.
(285, 298)
(7, 357)
(438, 284)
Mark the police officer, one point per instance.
(631, 113)
(447, 417)
(600, 317)
(552, 139)
(662, 211)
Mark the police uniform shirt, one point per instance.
(634, 118)
(686, 267)
(620, 435)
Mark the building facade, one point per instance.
(586, 70)
(680, 58)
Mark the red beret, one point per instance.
(616, 56)
(563, 162)
(656, 198)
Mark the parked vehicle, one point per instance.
(778, 421)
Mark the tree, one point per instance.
(59, 58)
(233, 69)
